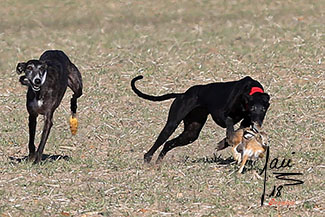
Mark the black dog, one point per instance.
(227, 102)
(47, 80)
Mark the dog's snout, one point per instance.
(37, 81)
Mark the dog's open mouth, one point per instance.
(34, 86)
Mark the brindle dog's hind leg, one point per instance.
(75, 84)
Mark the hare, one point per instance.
(247, 143)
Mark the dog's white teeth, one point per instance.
(35, 88)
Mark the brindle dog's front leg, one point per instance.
(46, 131)
(32, 120)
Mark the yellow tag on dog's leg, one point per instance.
(73, 125)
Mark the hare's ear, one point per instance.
(21, 67)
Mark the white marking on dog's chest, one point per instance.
(36, 103)
(39, 103)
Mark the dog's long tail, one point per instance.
(151, 98)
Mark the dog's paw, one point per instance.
(147, 158)
(31, 157)
(38, 159)
(73, 125)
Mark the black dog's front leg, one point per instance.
(229, 134)
(46, 131)
(32, 120)
(230, 127)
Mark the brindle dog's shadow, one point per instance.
(45, 158)
(211, 159)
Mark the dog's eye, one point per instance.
(29, 68)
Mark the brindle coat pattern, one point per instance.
(47, 80)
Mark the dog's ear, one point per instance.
(266, 97)
(246, 89)
(21, 67)
(23, 80)
(247, 98)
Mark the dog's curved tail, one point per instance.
(151, 98)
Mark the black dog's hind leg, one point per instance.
(193, 124)
(46, 131)
(32, 120)
(178, 111)
(75, 84)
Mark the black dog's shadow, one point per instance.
(216, 159)
(45, 158)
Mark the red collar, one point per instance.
(256, 90)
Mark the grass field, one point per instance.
(174, 44)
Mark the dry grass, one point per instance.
(174, 44)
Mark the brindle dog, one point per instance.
(47, 80)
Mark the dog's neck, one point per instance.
(38, 95)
